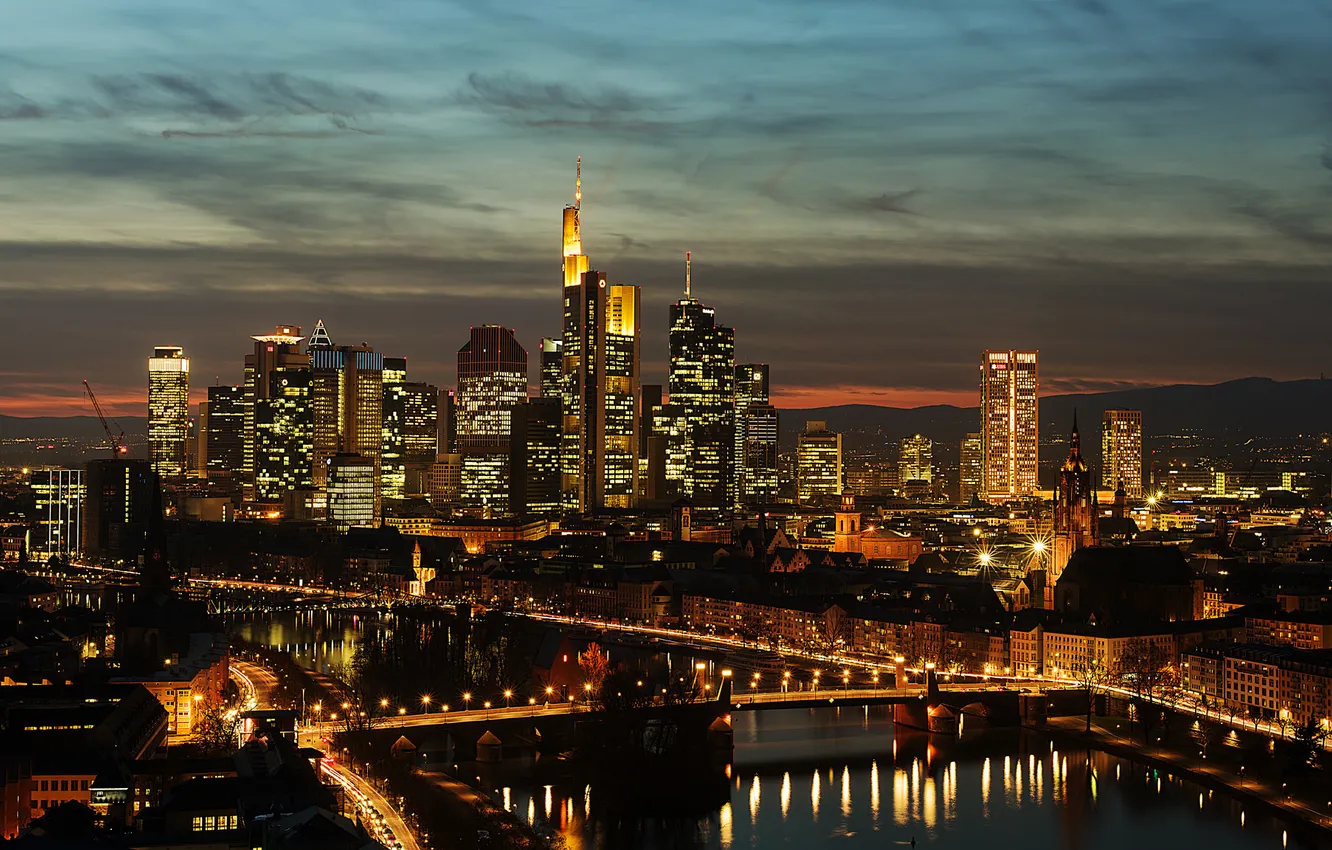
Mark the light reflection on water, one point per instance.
(940, 792)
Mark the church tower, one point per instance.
(847, 537)
(1074, 507)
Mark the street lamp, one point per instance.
(467, 700)
(425, 703)
(846, 680)
(875, 678)
(549, 691)
(786, 680)
(508, 695)
(815, 681)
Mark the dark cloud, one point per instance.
(888, 202)
(522, 100)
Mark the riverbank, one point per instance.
(1259, 785)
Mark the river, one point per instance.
(847, 778)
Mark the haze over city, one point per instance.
(872, 192)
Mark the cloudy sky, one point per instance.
(874, 190)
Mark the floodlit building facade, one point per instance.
(1121, 451)
(352, 492)
(818, 463)
(916, 459)
(1009, 389)
(168, 409)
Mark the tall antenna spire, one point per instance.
(578, 185)
(687, 286)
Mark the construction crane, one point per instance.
(117, 441)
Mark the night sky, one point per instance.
(874, 190)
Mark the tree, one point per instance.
(1093, 677)
(1307, 744)
(215, 728)
(594, 665)
(1146, 666)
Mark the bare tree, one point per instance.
(215, 728)
(594, 665)
(1146, 666)
(1093, 676)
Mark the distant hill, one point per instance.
(1249, 406)
(70, 427)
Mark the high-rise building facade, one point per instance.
(352, 492)
(576, 265)
(552, 368)
(224, 432)
(1121, 451)
(284, 433)
(605, 382)
(818, 463)
(701, 379)
(916, 459)
(347, 402)
(970, 467)
(278, 350)
(492, 382)
(122, 509)
(393, 415)
(168, 410)
(1010, 386)
(535, 457)
(59, 495)
(756, 427)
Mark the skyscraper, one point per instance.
(701, 380)
(1121, 451)
(59, 496)
(492, 381)
(535, 457)
(1008, 408)
(756, 428)
(552, 367)
(605, 382)
(168, 409)
(347, 398)
(818, 463)
(352, 490)
(393, 414)
(224, 431)
(599, 378)
(122, 511)
(971, 467)
(576, 264)
(278, 350)
(284, 433)
(916, 459)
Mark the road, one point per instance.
(257, 684)
(378, 814)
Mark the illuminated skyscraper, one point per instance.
(393, 414)
(535, 457)
(971, 467)
(916, 460)
(168, 409)
(59, 497)
(576, 264)
(352, 491)
(600, 379)
(492, 382)
(606, 384)
(347, 397)
(552, 368)
(702, 381)
(278, 350)
(756, 427)
(1008, 407)
(818, 463)
(1121, 451)
(284, 431)
(224, 431)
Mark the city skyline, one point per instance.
(208, 177)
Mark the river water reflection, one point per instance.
(846, 778)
